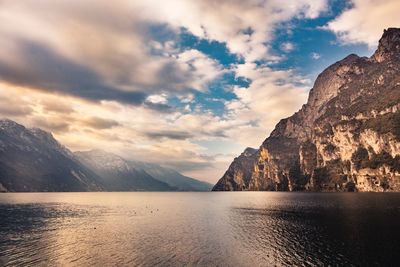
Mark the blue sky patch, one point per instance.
(213, 49)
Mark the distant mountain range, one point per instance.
(32, 160)
(115, 172)
(345, 138)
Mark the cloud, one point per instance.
(97, 51)
(236, 23)
(13, 106)
(158, 99)
(315, 55)
(100, 123)
(204, 69)
(39, 67)
(287, 47)
(178, 135)
(49, 124)
(56, 106)
(267, 100)
(12, 111)
(365, 21)
(100, 74)
(112, 126)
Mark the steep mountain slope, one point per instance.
(32, 160)
(117, 174)
(347, 136)
(238, 176)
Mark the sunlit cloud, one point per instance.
(364, 21)
(118, 76)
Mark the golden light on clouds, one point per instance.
(119, 76)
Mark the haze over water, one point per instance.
(199, 229)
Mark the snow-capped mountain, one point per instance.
(32, 160)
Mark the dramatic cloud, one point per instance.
(236, 23)
(94, 50)
(272, 95)
(118, 75)
(101, 50)
(365, 20)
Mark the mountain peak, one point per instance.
(8, 124)
(335, 141)
(249, 151)
(42, 134)
(389, 45)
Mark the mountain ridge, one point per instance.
(32, 160)
(112, 163)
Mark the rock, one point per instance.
(353, 106)
(237, 177)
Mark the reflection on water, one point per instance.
(203, 229)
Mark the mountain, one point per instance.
(345, 138)
(119, 173)
(32, 160)
(172, 177)
(238, 175)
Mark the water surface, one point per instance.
(200, 229)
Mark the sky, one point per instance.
(186, 84)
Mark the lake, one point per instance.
(200, 229)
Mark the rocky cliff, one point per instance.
(345, 138)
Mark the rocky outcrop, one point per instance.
(238, 176)
(345, 138)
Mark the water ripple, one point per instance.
(199, 229)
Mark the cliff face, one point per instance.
(345, 138)
(238, 176)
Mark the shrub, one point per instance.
(380, 159)
(330, 148)
(388, 123)
(360, 157)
